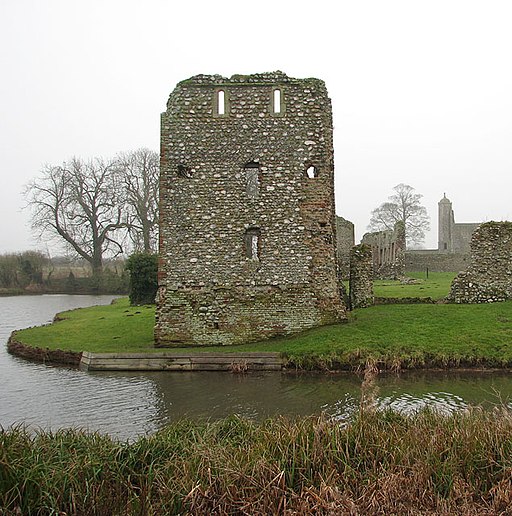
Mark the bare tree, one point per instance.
(80, 203)
(404, 205)
(140, 176)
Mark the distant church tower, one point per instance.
(446, 222)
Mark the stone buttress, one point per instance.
(247, 220)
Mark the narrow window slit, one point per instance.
(277, 101)
(252, 243)
(221, 102)
(252, 179)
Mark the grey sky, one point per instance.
(421, 91)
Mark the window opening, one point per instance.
(252, 243)
(221, 102)
(277, 101)
(184, 171)
(252, 179)
(312, 172)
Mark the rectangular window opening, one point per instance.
(221, 102)
(277, 101)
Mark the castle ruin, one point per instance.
(489, 275)
(388, 252)
(453, 250)
(247, 220)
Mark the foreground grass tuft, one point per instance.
(381, 463)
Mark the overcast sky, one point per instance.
(421, 90)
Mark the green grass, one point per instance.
(108, 328)
(380, 463)
(398, 336)
(436, 286)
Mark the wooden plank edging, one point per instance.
(168, 361)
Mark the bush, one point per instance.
(143, 269)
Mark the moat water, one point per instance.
(126, 405)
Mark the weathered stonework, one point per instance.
(247, 223)
(453, 249)
(489, 275)
(388, 249)
(361, 276)
(434, 261)
(454, 237)
(345, 240)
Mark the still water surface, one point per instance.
(126, 405)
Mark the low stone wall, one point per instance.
(403, 300)
(489, 275)
(47, 356)
(435, 261)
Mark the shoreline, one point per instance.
(174, 361)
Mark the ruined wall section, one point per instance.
(435, 261)
(388, 248)
(489, 275)
(462, 233)
(345, 240)
(247, 229)
(361, 277)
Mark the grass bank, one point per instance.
(394, 336)
(381, 463)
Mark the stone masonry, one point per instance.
(489, 275)
(361, 276)
(454, 237)
(247, 221)
(345, 240)
(388, 248)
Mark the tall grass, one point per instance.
(380, 463)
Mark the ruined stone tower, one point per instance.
(454, 237)
(445, 225)
(247, 223)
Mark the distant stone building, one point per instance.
(388, 252)
(247, 221)
(345, 240)
(454, 237)
(489, 275)
(452, 253)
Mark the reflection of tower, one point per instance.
(446, 222)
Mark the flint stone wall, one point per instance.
(489, 275)
(388, 250)
(345, 240)
(361, 276)
(247, 221)
(434, 261)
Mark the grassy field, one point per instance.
(380, 463)
(396, 336)
(436, 286)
